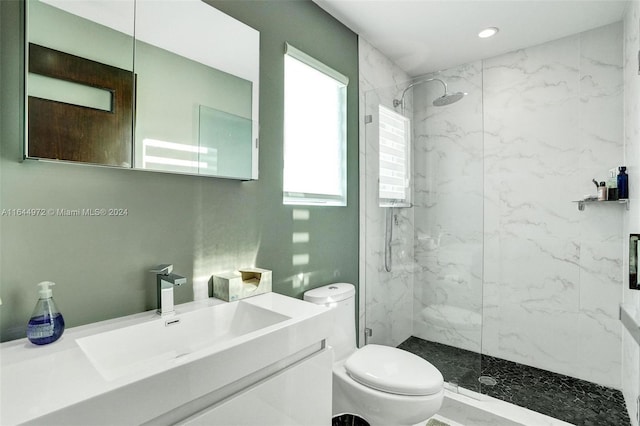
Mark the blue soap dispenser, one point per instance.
(46, 324)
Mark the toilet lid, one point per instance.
(393, 370)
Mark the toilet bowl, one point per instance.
(383, 385)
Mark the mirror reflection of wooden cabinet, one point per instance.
(189, 58)
(98, 133)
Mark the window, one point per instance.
(315, 139)
(395, 160)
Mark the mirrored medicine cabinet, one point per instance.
(169, 86)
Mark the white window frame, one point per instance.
(337, 196)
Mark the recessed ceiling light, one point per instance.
(488, 32)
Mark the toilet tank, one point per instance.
(341, 297)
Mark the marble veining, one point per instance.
(385, 297)
(448, 210)
(631, 220)
(493, 233)
(552, 274)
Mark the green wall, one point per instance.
(201, 225)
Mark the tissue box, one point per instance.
(243, 283)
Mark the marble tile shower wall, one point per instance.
(448, 191)
(386, 295)
(522, 272)
(552, 274)
(502, 256)
(630, 349)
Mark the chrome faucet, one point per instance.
(166, 280)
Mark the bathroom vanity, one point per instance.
(261, 360)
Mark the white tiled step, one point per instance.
(474, 409)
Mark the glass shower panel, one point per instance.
(437, 246)
(388, 295)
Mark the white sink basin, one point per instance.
(150, 367)
(162, 342)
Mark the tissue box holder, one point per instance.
(240, 284)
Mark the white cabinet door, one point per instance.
(297, 395)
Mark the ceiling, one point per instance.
(424, 36)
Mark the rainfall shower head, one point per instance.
(446, 99)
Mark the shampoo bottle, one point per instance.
(46, 324)
(623, 183)
(602, 191)
(612, 185)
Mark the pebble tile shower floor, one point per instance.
(572, 400)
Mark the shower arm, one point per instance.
(400, 102)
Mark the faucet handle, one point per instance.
(164, 269)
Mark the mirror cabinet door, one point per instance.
(187, 102)
(80, 81)
(194, 104)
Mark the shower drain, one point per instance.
(487, 380)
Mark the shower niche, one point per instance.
(634, 250)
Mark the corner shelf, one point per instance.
(583, 203)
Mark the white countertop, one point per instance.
(36, 381)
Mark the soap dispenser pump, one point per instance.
(46, 324)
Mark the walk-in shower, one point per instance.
(497, 282)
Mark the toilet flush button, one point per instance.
(333, 287)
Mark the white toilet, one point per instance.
(383, 385)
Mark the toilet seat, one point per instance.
(393, 370)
